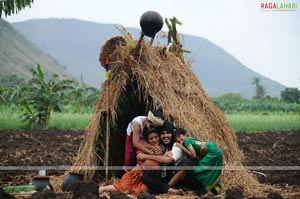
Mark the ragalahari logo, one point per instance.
(269, 6)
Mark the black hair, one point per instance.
(147, 133)
(167, 126)
(180, 131)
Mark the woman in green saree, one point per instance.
(207, 161)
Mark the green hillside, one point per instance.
(76, 44)
(18, 55)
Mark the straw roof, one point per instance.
(162, 81)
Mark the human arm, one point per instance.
(169, 157)
(189, 150)
(141, 145)
(152, 149)
(159, 158)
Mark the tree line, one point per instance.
(41, 95)
(289, 101)
(288, 95)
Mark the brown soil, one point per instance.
(84, 190)
(55, 147)
(48, 195)
(279, 149)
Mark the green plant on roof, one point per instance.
(173, 36)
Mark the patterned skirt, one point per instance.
(131, 183)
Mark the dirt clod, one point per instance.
(234, 193)
(48, 195)
(274, 196)
(119, 195)
(84, 190)
(145, 195)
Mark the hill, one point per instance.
(76, 44)
(18, 55)
(220, 72)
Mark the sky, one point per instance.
(266, 40)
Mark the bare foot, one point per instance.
(209, 194)
(175, 191)
(108, 188)
(101, 189)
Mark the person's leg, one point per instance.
(182, 173)
(130, 154)
(188, 180)
(176, 191)
(108, 188)
(155, 183)
(209, 177)
(217, 188)
(179, 176)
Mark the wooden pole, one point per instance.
(107, 120)
(107, 146)
(138, 45)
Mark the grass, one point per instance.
(264, 123)
(241, 122)
(68, 121)
(9, 119)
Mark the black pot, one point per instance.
(71, 178)
(151, 22)
(42, 183)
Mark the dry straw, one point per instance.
(166, 82)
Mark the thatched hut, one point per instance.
(156, 79)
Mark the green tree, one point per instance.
(42, 97)
(290, 95)
(236, 97)
(12, 80)
(260, 90)
(81, 95)
(12, 89)
(15, 93)
(92, 97)
(229, 102)
(13, 6)
(2, 95)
